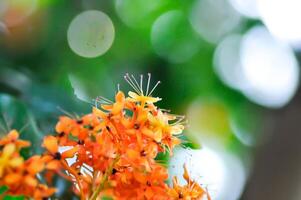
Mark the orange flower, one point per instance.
(54, 157)
(191, 191)
(13, 137)
(20, 175)
(114, 148)
(8, 158)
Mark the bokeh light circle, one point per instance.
(221, 173)
(270, 67)
(172, 37)
(138, 13)
(227, 64)
(213, 19)
(91, 34)
(209, 120)
(282, 17)
(247, 8)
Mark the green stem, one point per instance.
(104, 179)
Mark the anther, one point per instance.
(114, 171)
(61, 134)
(143, 153)
(80, 142)
(79, 121)
(136, 126)
(57, 156)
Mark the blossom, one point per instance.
(19, 175)
(114, 148)
(192, 190)
(8, 159)
(13, 137)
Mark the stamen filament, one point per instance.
(136, 82)
(130, 82)
(154, 88)
(141, 83)
(148, 81)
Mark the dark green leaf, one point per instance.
(13, 198)
(106, 198)
(3, 189)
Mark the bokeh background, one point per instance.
(230, 66)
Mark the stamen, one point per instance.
(165, 110)
(141, 83)
(180, 122)
(101, 99)
(148, 81)
(129, 81)
(65, 112)
(136, 82)
(154, 88)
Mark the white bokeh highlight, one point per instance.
(270, 68)
(213, 19)
(247, 8)
(282, 18)
(227, 64)
(91, 34)
(222, 174)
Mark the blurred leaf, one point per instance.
(13, 198)
(106, 198)
(162, 157)
(14, 115)
(3, 189)
(191, 145)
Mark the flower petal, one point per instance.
(51, 144)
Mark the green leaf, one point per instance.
(191, 145)
(106, 198)
(13, 198)
(15, 115)
(3, 189)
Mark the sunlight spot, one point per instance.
(213, 19)
(227, 64)
(91, 34)
(270, 67)
(247, 8)
(223, 174)
(282, 17)
(173, 38)
(138, 13)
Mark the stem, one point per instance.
(104, 179)
(73, 172)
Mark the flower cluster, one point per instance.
(19, 175)
(111, 152)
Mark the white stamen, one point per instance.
(134, 83)
(108, 100)
(141, 83)
(131, 83)
(101, 99)
(154, 88)
(148, 81)
(137, 85)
